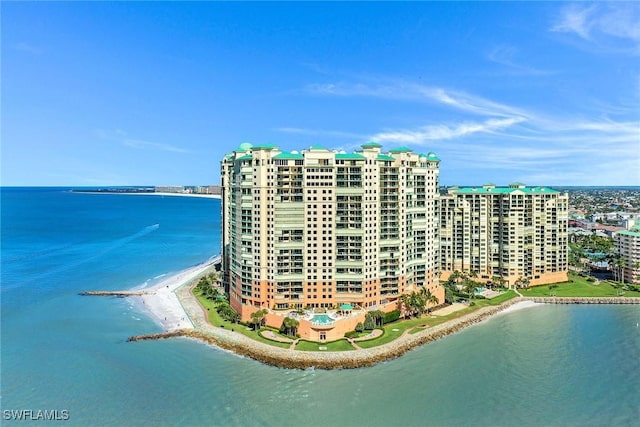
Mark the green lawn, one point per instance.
(577, 286)
(340, 345)
(414, 325)
(216, 320)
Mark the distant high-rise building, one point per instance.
(514, 233)
(324, 228)
(628, 247)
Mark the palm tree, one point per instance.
(636, 266)
(257, 318)
(403, 304)
(290, 325)
(378, 317)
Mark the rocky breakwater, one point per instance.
(295, 359)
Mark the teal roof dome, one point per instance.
(245, 146)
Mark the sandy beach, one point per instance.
(519, 306)
(163, 304)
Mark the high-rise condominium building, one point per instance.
(628, 246)
(513, 233)
(323, 228)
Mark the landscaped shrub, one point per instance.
(591, 279)
(391, 316)
(352, 334)
(359, 327)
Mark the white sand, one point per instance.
(162, 303)
(519, 306)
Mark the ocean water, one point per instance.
(541, 366)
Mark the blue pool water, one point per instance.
(321, 319)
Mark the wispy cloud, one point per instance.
(428, 134)
(319, 132)
(611, 26)
(402, 90)
(505, 55)
(122, 137)
(146, 145)
(486, 134)
(26, 47)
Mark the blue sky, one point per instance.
(142, 93)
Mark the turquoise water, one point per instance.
(541, 366)
(321, 319)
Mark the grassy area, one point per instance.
(216, 320)
(577, 286)
(340, 345)
(394, 330)
(497, 300)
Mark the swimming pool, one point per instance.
(321, 319)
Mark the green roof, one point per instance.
(401, 150)
(371, 145)
(635, 232)
(245, 157)
(431, 156)
(385, 157)
(264, 147)
(288, 156)
(504, 190)
(245, 146)
(318, 147)
(350, 156)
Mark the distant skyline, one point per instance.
(125, 93)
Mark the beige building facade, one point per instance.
(321, 228)
(628, 247)
(514, 233)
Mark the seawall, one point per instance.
(295, 359)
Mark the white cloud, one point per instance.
(576, 19)
(491, 136)
(505, 55)
(441, 132)
(319, 132)
(137, 143)
(612, 26)
(402, 90)
(120, 136)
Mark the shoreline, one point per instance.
(160, 302)
(188, 319)
(294, 359)
(126, 193)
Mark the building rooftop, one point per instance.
(288, 156)
(350, 156)
(490, 189)
(371, 145)
(385, 157)
(265, 147)
(635, 232)
(401, 150)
